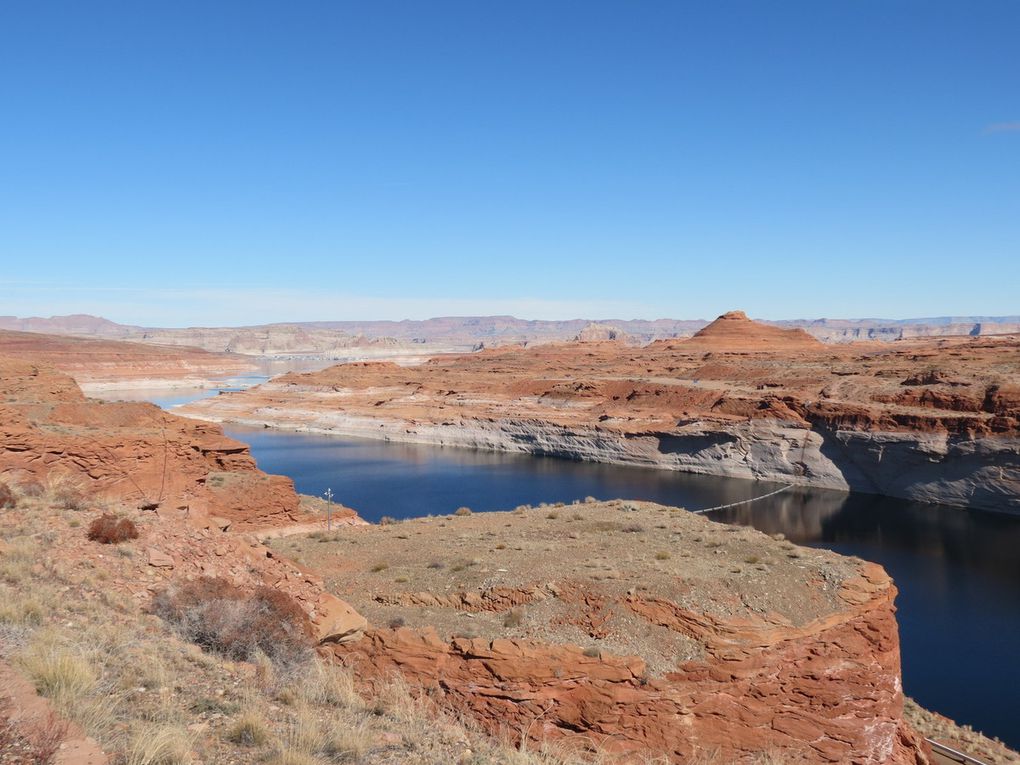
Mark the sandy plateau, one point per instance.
(934, 420)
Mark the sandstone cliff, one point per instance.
(935, 420)
(132, 452)
(95, 362)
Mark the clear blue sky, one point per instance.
(238, 162)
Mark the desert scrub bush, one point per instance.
(109, 529)
(7, 497)
(663, 555)
(221, 617)
(463, 511)
(513, 618)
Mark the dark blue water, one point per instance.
(958, 571)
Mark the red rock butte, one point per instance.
(733, 331)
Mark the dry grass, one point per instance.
(21, 608)
(65, 491)
(17, 558)
(58, 671)
(159, 745)
(249, 729)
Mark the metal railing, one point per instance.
(952, 754)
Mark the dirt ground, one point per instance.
(560, 574)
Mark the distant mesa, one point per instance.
(733, 331)
(595, 332)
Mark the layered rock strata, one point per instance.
(935, 421)
(110, 363)
(131, 452)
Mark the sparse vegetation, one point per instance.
(109, 529)
(248, 730)
(663, 555)
(150, 698)
(462, 511)
(65, 491)
(380, 567)
(219, 616)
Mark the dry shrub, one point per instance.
(31, 488)
(108, 529)
(462, 511)
(66, 491)
(37, 741)
(47, 734)
(221, 617)
(7, 497)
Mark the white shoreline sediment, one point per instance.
(982, 473)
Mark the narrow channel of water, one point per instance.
(958, 571)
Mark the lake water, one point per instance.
(958, 571)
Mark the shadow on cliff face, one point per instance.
(972, 473)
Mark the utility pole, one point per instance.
(329, 509)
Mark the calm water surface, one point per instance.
(958, 571)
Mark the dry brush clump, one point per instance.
(109, 529)
(34, 741)
(66, 491)
(221, 617)
(8, 498)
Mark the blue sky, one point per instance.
(240, 162)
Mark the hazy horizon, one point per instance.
(942, 319)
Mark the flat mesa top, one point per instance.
(594, 574)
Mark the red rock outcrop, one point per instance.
(133, 452)
(92, 361)
(733, 331)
